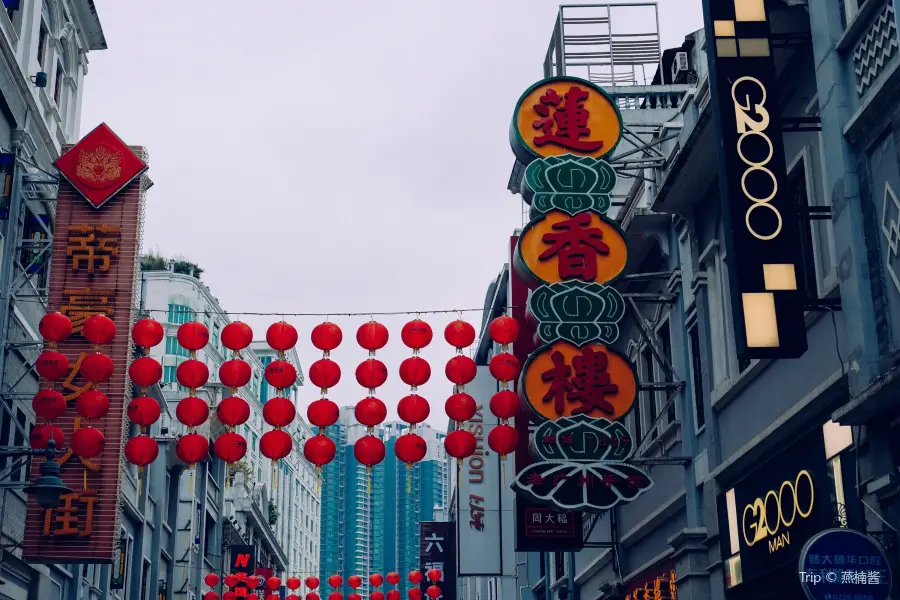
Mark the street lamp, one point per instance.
(48, 487)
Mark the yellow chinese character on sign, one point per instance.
(73, 516)
(93, 247)
(79, 304)
(74, 392)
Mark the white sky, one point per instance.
(326, 157)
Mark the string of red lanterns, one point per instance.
(233, 411)
(279, 412)
(434, 576)
(370, 411)
(322, 413)
(145, 371)
(460, 406)
(410, 448)
(192, 411)
(504, 367)
(49, 404)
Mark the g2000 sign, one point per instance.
(766, 516)
(747, 126)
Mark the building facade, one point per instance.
(371, 519)
(718, 434)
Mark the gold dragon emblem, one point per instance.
(99, 166)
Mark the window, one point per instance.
(180, 314)
(649, 396)
(215, 337)
(174, 348)
(559, 566)
(697, 378)
(57, 83)
(145, 580)
(664, 335)
(169, 374)
(42, 44)
(798, 194)
(850, 9)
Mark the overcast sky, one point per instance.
(328, 157)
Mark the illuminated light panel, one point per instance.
(754, 46)
(760, 320)
(726, 48)
(749, 10)
(780, 278)
(724, 28)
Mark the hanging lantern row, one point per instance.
(504, 367)
(50, 404)
(279, 412)
(192, 411)
(460, 406)
(413, 409)
(370, 411)
(322, 413)
(143, 410)
(233, 411)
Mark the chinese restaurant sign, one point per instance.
(437, 550)
(95, 251)
(843, 563)
(762, 223)
(661, 587)
(571, 252)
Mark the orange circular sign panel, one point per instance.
(562, 380)
(564, 115)
(557, 247)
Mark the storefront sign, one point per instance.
(243, 559)
(661, 586)
(94, 260)
(437, 550)
(118, 573)
(781, 506)
(842, 563)
(762, 225)
(478, 520)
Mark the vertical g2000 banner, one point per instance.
(762, 222)
(93, 271)
(569, 253)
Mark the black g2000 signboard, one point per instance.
(762, 222)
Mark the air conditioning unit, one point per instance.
(680, 67)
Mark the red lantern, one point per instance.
(193, 336)
(460, 444)
(92, 404)
(279, 412)
(505, 404)
(415, 371)
(371, 373)
(324, 373)
(461, 369)
(372, 336)
(323, 413)
(235, 373)
(326, 336)
(147, 333)
(55, 327)
(251, 597)
(354, 581)
(460, 407)
(416, 334)
(230, 447)
(293, 583)
(415, 577)
(211, 580)
(252, 582)
(369, 450)
(311, 582)
(230, 596)
(414, 594)
(393, 595)
(191, 449)
(236, 336)
(145, 371)
(433, 592)
(335, 596)
(312, 596)
(192, 374)
(141, 450)
(144, 411)
(96, 367)
(276, 444)
(354, 596)
(42, 434)
(376, 596)
(233, 411)
(459, 334)
(98, 329)
(503, 439)
(413, 409)
(52, 365)
(376, 579)
(281, 336)
(210, 596)
(48, 404)
(319, 450)
(504, 330)
(232, 580)
(370, 411)
(410, 448)
(393, 578)
(281, 374)
(273, 583)
(192, 411)
(335, 581)
(504, 367)
(87, 442)
(434, 575)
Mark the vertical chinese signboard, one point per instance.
(761, 221)
(570, 252)
(95, 258)
(437, 550)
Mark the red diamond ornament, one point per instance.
(100, 165)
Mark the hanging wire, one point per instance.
(327, 315)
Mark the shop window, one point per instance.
(697, 379)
